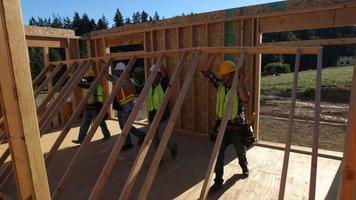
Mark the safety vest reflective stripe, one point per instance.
(221, 103)
(125, 99)
(155, 97)
(99, 94)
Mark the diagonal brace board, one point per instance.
(56, 88)
(314, 159)
(41, 75)
(76, 114)
(121, 140)
(48, 79)
(152, 131)
(212, 163)
(74, 162)
(68, 89)
(290, 128)
(168, 130)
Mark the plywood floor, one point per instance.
(182, 178)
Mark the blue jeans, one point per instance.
(88, 117)
(123, 116)
(172, 146)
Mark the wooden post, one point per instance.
(221, 133)
(347, 188)
(314, 160)
(121, 140)
(19, 104)
(74, 162)
(45, 55)
(290, 129)
(168, 130)
(76, 113)
(257, 85)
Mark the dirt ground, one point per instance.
(274, 122)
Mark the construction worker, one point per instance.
(154, 99)
(92, 107)
(234, 133)
(123, 104)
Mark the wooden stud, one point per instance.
(348, 166)
(151, 133)
(222, 128)
(257, 84)
(290, 129)
(242, 33)
(76, 114)
(168, 130)
(74, 162)
(104, 175)
(19, 105)
(314, 160)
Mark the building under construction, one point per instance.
(38, 161)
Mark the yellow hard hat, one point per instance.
(226, 68)
(89, 73)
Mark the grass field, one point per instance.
(335, 79)
(331, 77)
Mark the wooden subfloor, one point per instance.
(182, 178)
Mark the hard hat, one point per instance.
(89, 73)
(226, 68)
(120, 66)
(153, 67)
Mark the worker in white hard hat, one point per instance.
(236, 129)
(123, 104)
(92, 108)
(154, 99)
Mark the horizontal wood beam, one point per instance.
(320, 42)
(46, 42)
(137, 38)
(211, 50)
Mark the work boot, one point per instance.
(127, 147)
(215, 187)
(245, 172)
(105, 138)
(174, 153)
(77, 141)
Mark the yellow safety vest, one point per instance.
(99, 94)
(221, 103)
(155, 97)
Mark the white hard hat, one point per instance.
(120, 66)
(153, 67)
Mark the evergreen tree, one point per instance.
(156, 16)
(102, 23)
(151, 19)
(128, 21)
(136, 18)
(118, 19)
(144, 16)
(57, 22)
(92, 26)
(76, 23)
(67, 23)
(32, 21)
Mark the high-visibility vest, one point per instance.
(221, 103)
(126, 95)
(155, 97)
(97, 96)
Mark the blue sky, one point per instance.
(95, 9)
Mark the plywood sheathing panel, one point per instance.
(48, 32)
(298, 4)
(187, 116)
(215, 39)
(137, 38)
(201, 85)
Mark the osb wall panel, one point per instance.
(187, 116)
(201, 85)
(298, 4)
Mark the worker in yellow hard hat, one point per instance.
(92, 107)
(236, 128)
